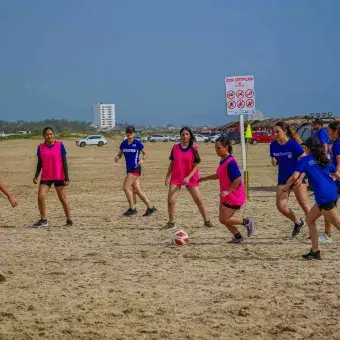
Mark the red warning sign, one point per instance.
(249, 93)
(231, 95)
(250, 103)
(240, 94)
(241, 104)
(231, 105)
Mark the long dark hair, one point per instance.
(197, 158)
(223, 140)
(318, 151)
(335, 126)
(291, 133)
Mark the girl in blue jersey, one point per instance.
(131, 149)
(14, 203)
(285, 153)
(318, 170)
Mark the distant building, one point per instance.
(257, 116)
(104, 115)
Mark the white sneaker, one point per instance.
(324, 238)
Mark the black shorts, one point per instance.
(57, 183)
(284, 183)
(234, 207)
(136, 171)
(328, 205)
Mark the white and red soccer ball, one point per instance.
(180, 238)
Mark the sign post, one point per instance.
(240, 97)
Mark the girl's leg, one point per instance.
(62, 195)
(229, 220)
(42, 193)
(127, 187)
(282, 205)
(328, 227)
(196, 196)
(312, 216)
(333, 217)
(172, 199)
(301, 195)
(137, 191)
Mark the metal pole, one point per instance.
(244, 157)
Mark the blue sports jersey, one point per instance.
(233, 170)
(131, 153)
(287, 156)
(63, 150)
(336, 152)
(322, 135)
(323, 185)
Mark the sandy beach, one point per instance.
(112, 277)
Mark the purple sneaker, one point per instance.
(237, 240)
(250, 226)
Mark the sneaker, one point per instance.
(2, 276)
(312, 255)
(69, 223)
(297, 227)
(169, 225)
(250, 226)
(39, 224)
(208, 225)
(130, 212)
(324, 238)
(150, 211)
(237, 240)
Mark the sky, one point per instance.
(165, 61)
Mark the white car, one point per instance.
(214, 138)
(201, 138)
(92, 140)
(158, 138)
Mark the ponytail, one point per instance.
(223, 140)
(320, 155)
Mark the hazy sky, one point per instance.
(165, 61)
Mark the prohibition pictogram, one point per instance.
(231, 105)
(230, 94)
(240, 94)
(249, 93)
(250, 103)
(241, 104)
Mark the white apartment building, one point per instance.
(104, 115)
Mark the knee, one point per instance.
(281, 207)
(126, 187)
(198, 201)
(224, 220)
(41, 196)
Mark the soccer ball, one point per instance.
(180, 238)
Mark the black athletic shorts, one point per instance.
(57, 183)
(135, 171)
(235, 207)
(283, 183)
(328, 205)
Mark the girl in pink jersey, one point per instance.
(183, 171)
(232, 193)
(52, 161)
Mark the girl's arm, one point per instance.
(299, 181)
(193, 170)
(208, 178)
(292, 179)
(119, 156)
(337, 175)
(145, 156)
(303, 155)
(338, 162)
(274, 161)
(67, 179)
(9, 195)
(233, 186)
(167, 177)
(37, 172)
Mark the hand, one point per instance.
(298, 182)
(116, 159)
(186, 180)
(283, 193)
(167, 181)
(224, 193)
(202, 179)
(12, 200)
(274, 162)
(141, 162)
(35, 180)
(66, 183)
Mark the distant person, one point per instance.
(14, 203)
(285, 152)
(318, 169)
(322, 134)
(232, 193)
(131, 148)
(52, 164)
(183, 171)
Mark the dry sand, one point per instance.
(111, 277)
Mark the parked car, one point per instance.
(158, 138)
(201, 138)
(261, 137)
(177, 138)
(92, 140)
(213, 136)
(172, 138)
(233, 136)
(139, 138)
